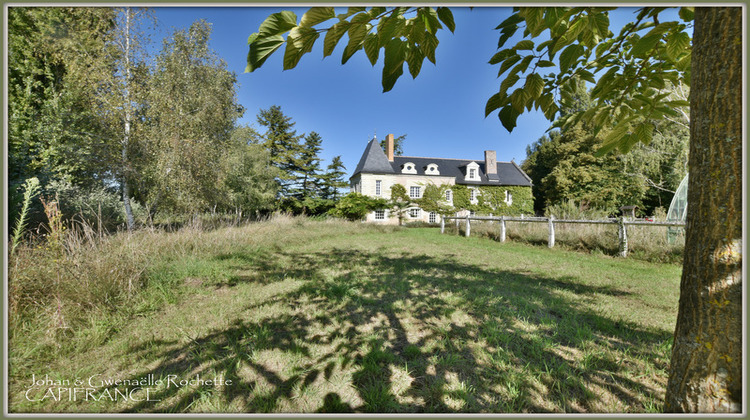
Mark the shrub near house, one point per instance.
(428, 188)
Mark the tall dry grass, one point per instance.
(75, 286)
(647, 243)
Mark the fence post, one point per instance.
(468, 226)
(442, 224)
(623, 238)
(502, 229)
(551, 240)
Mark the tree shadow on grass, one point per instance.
(410, 333)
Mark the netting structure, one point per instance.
(678, 207)
(678, 210)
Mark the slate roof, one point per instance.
(374, 161)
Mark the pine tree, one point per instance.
(283, 145)
(308, 166)
(333, 179)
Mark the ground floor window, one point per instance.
(414, 213)
(379, 214)
(433, 217)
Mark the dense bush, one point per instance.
(355, 206)
(99, 207)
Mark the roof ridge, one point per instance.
(427, 157)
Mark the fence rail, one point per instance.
(622, 223)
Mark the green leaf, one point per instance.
(677, 103)
(390, 78)
(508, 27)
(599, 23)
(260, 49)
(376, 11)
(512, 20)
(430, 19)
(393, 66)
(613, 138)
(357, 33)
(602, 117)
(677, 44)
(525, 44)
(508, 82)
(299, 42)
(545, 63)
(687, 14)
(523, 65)
(683, 64)
(518, 99)
(333, 36)
(569, 56)
(534, 17)
(644, 132)
(428, 46)
(544, 44)
(414, 59)
(553, 15)
(645, 45)
(372, 48)
(534, 86)
(446, 16)
(508, 63)
(351, 11)
(586, 75)
(501, 55)
(391, 27)
(495, 102)
(508, 117)
(316, 15)
(277, 24)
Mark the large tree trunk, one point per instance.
(706, 368)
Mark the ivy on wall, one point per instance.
(490, 200)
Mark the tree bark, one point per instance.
(706, 367)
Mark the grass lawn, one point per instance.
(341, 317)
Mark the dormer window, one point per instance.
(431, 169)
(408, 168)
(472, 172)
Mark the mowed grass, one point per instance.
(342, 317)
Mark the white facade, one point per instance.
(367, 184)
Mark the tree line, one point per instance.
(120, 135)
(565, 166)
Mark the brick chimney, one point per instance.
(389, 147)
(490, 162)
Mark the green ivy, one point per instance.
(491, 200)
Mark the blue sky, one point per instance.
(441, 111)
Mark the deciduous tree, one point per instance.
(192, 113)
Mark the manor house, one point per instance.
(504, 182)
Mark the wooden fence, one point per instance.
(622, 223)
